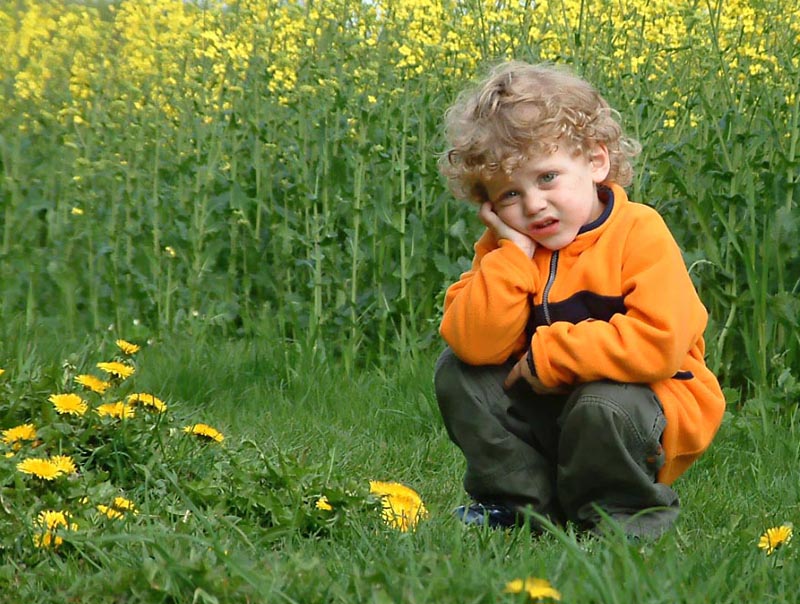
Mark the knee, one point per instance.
(627, 413)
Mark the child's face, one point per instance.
(550, 197)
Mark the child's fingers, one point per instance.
(513, 376)
(487, 216)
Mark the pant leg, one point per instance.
(609, 454)
(497, 432)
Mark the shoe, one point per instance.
(492, 515)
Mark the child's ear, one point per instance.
(601, 164)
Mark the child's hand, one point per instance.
(522, 370)
(502, 231)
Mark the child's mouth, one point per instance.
(543, 227)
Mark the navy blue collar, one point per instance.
(606, 195)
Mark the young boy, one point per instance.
(574, 380)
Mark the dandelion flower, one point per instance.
(2, 371)
(49, 523)
(64, 464)
(93, 383)
(126, 505)
(775, 537)
(14, 436)
(324, 504)
(148, 400)
(127, 347)
(402, 506)
(120, 370)
(205, 431)
(118, 410)
(110, 512)
(69, 404)
(537, 589)
(41, 468)
(118, 508)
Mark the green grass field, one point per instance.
(319, 429)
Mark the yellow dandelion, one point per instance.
(120, 370)
(324, 504)
(110, 512)
(93, 383)
(41, 468)
(402, 506)
(68, 404)
(76, 211)
(127, 347)
(64, 464)
(50, 523)
(205, 431)
(775, 538)
(537, 589)
(14, 436)
(118, 410)
(148, 400)
(125, 505)
(118, 508)
(2, 371)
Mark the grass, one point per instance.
(384, 425)
(278, 158)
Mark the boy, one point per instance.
(574, 380)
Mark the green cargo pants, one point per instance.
(566, 455)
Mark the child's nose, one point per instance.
(534, 202)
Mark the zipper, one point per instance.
(550, 278)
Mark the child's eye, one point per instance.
(547, 177)
(508, 198)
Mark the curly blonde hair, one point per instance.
(522, 110)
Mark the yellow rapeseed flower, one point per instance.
(14, 436)
(41, 468)
(93, 383)
(49, 523)
(120, 370)
(148, 400)
(69, 404)
(128, 347)
(537, 589)
(775, 538)
(402, 506)
(118, 410)
(205, 431)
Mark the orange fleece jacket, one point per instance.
(617, 303)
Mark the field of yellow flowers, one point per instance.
(273, 161)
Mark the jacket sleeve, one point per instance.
(487, 309)
(664, 319)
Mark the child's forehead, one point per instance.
(539, 158)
